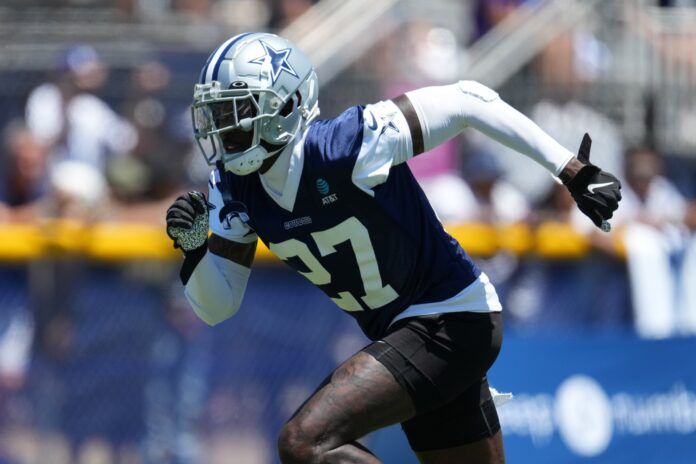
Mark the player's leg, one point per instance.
(442, 362)
(489, 450)
(361, 396)
(422, 368)
(465, 430)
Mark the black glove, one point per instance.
(187, 221)
(596, 192)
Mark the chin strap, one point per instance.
(231, 208)
(225, 188)
(272, 149)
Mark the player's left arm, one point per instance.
(437, 114)
(216, 267)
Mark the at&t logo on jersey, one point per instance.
(323, 189)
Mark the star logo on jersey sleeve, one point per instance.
(278, 60)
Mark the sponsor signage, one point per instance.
(602, 398)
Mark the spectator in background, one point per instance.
(564, 68)
(194, 9)
(285, 12)
(557, 206)
(650, 198)
(256, 15)
(28, 189)
(548, 293)
(495, 200)
(78, 191)
(425, 54)
(75, 124)
(481, 196)
(661, 251)
(153, 169)
(489, 199)
(661, 255)
(24, 172)
(488, 13)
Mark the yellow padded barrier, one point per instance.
(19, 242)
(119, 241)
(559, 240)
(485, 240)
(132, 241)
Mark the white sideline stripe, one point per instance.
(216, 57)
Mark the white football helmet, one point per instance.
(256, 93)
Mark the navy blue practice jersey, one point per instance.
(360, 228)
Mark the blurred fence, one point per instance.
(101, 360)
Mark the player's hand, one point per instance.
(187, 221)
(596, 192)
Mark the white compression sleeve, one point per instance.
(216, 288)
(445, 111)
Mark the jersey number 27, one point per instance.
(376, 294)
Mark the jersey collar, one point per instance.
(282, 180)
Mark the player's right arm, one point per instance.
(440, 113)
(413, 123)
(216, 268)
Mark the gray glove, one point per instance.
(187, 221)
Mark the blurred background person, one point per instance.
(24, 171)
(78, 191)
(657, 241)
(489, 13)
(493, 199)
(284, 12)
(425, 53)
(154, 167)
(564, 72)
(68, 117)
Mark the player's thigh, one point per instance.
(466, 429)
(359, 397)
(488, 450)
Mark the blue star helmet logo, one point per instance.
(278, 59)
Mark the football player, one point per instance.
(335, 200)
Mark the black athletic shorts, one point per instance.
(442, 361)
